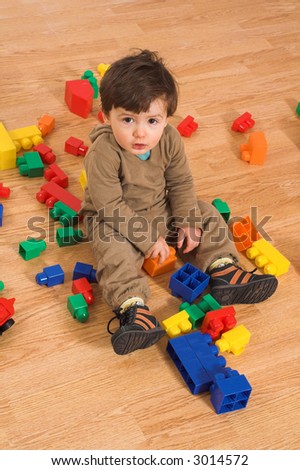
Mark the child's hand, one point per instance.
(192, 235)
(160, 248)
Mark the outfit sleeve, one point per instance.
(180, 185)
(105, 192)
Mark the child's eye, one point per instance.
(128, 120)
(153, 121)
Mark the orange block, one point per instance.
(153, 268)
(244, 233)
(46, 124)
(255, 150)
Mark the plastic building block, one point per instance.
(26, 137)
(30, 165)
(45, 153)
(4, 191)
(51, 276)
(177, 324)
(84, 270)
(197, 312)
(234, 340)
(55, 174)
(31, 248)
(79, 95)
(244, 233)
(46, 124)
(298, 109)
(51, 192)
(75, 147)
(153, 268)
(218, 321)
(68, 236)
(89, 75)
(202, 369)
(266, 256)
(230, 393)
(223, 208)
(187, 126)
(102, 68)
(100, 117)
(64, 214)
(6, 313)
(78, 307)
(254, 152)
(83, 179)
(82, 286)
(1, 214)
(1, 285)
(243, 123)
(188, 282)
(8, 153)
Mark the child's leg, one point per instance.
(218, 256)
(125, 289)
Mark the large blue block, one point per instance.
(51, 276)
(188, 282)
(84, 270)
(230, 393)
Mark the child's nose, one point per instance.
(139, 131)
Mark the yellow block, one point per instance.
(234, 340)
(83, 179)
(177, 324)
(102, 68)
(266, 256)
(26, 137)
(8, 154)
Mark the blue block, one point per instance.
(230, 393)
(1, 214)
(189, 366)
(188, 282)
(51, 276)
(84, 270)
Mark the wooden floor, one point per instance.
(62, 386)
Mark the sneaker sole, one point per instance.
(125, 341)
(252, 293)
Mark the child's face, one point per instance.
(138, 133)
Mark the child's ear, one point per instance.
(106, 118)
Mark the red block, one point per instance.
(79, 95)
(45, 153)
(6, 310)
(219, 321)
(55, 174)
(243, 123)
(51, 192)
(82, 286)
(187, 126)
(4, 191)
(75, 147)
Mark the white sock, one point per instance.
(220, 262)
(131, 301)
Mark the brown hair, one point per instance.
(134, 81)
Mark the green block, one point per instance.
(67, 236)
(31, 165)
(64, 214)
(208, 303)
(31, 248)
(1, 285)
(78, 307)
(298, 109)
(223, 208)
(196, 315)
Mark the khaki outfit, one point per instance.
(129, 203)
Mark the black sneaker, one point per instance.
(231, 284)
(138, 329)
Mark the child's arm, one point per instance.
(180, 185)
